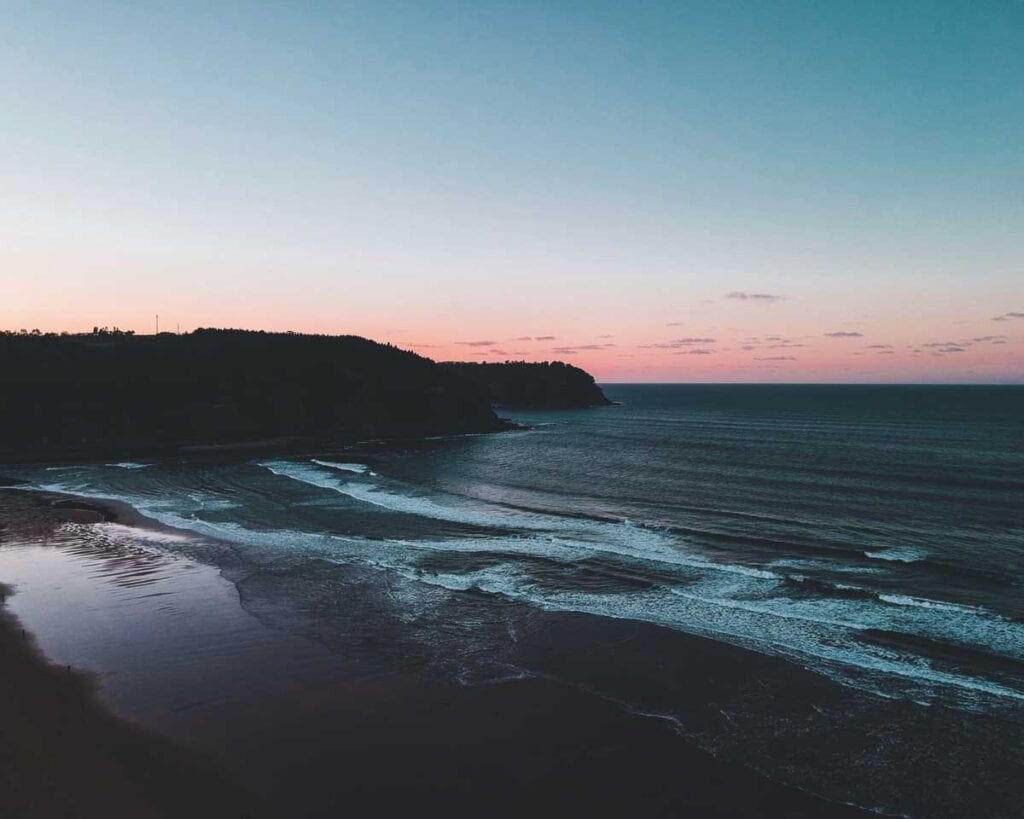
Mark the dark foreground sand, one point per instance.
(333, 743)
(62, 755)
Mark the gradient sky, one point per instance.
(720, 191)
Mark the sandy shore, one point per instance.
(220, 698)
(63, 755)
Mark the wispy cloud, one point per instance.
(775, 358)
(1008, 316)
(844, 334)
(878, 347)
(742, 295)
(544, 338)
(477, 343)
(696, 351)
(676, 343)
(993, 339)
(564, 350)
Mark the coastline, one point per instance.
(285, 447)
(405, 741)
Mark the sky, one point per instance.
(684, 191)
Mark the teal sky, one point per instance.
(605, 173)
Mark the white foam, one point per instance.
(907, 554)
(129, 465)
(925, 603)
(625, 539)
(360, 469)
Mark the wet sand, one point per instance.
(307, 730)
(63, 755)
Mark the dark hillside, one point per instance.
(518, 385)
(113, 391)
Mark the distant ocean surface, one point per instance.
(870, 535)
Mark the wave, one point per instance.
(582, 534)
(359, 469)
(907, 554)
(925, 603)
(129, 465)
(120, 531)
(752, 606)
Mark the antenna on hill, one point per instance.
(158, 324)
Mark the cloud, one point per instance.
(844, 334)
(993, 339)
(878, 347)
(499, 352)
(696, 351)
(952, 349)
(936, 344)
(544, 338)
(676, 343)
(887, 352)
(776, 358)
(564, 350)
(593, 346)
(524, 338)
(784, 344)
(749, 347)
(1008, 316)
(606, 336)
(675, 324)
(477, 343)
(742, 295)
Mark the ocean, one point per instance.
(823, 582)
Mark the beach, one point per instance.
(64, 754)
(755, 601)
(178, 698)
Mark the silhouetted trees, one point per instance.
(114, 390)
(94, 393)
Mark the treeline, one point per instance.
(518, 384)
(111, 390)
(96, 331)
